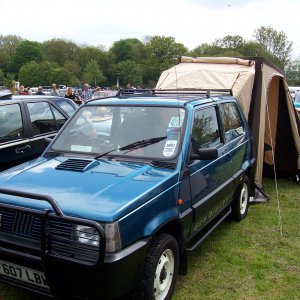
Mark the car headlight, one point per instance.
(89, 236)
(86, 235)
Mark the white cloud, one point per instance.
(191, 22)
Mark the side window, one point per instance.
(11, 123)
(66, 106)
(206, 133)
(233, 126)
(41, 117)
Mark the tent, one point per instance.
(263, 94)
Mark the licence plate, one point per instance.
(23, 274)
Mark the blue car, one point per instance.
(297, 106)
(128, 186)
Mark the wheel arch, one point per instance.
(174, 227)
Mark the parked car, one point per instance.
(25, 124)
(297, 106)
(122, 193)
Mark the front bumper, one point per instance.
(116, 276)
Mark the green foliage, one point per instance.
(93, 74)
(234, 42)
(1, 77)
(130, 71)
(276, 43)
(25, 52)
(146, 60)
(83, 55)
(128, 49)
(293, 73)
(9, 43)
(59, 50)
(35, 74)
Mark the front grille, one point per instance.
(20, 227)
(21, 224)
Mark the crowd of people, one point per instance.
(79, 96)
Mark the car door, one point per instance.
(15, 145)
(210, 180)
(45, 121)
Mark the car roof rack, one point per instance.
(147, 92)
(4, 95)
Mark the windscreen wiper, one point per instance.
(135, 145)
(143, 143)
(53, 153)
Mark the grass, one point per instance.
(246, 261)
(251, 259)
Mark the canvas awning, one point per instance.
(263, 95)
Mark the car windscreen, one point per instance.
(134, 131)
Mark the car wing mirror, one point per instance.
(205, 154)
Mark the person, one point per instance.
(297, 96)
(13, 87)
(97, 92)
(22, 90)
(54, 91)
(71, 95)
(40, 91)
(87, 94)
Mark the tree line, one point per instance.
(128, 60)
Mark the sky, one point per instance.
(190, 22)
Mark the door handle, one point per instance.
(21, 150)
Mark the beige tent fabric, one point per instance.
(217, 60)
(238, 75)
(212, 73)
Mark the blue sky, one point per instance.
(191, 22)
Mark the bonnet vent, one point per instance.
(77, 165)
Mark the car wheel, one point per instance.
(240, 203)
(160, 270)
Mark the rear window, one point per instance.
(11, 123)
(232, 123)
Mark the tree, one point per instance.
(93, 74)
(162, 54)
(83, 55)
(26, 51)
(275, 42)
(207, 50)
(29, 74)
(59, 50)
(230, 42)
(130, 71)
(1, 77)
(9, 43)
(128, 49)
(73, 68)
(293, 72)
(44, 73)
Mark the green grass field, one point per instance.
(246, 260)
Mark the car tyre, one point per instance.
(241, 198)
(160, 270)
